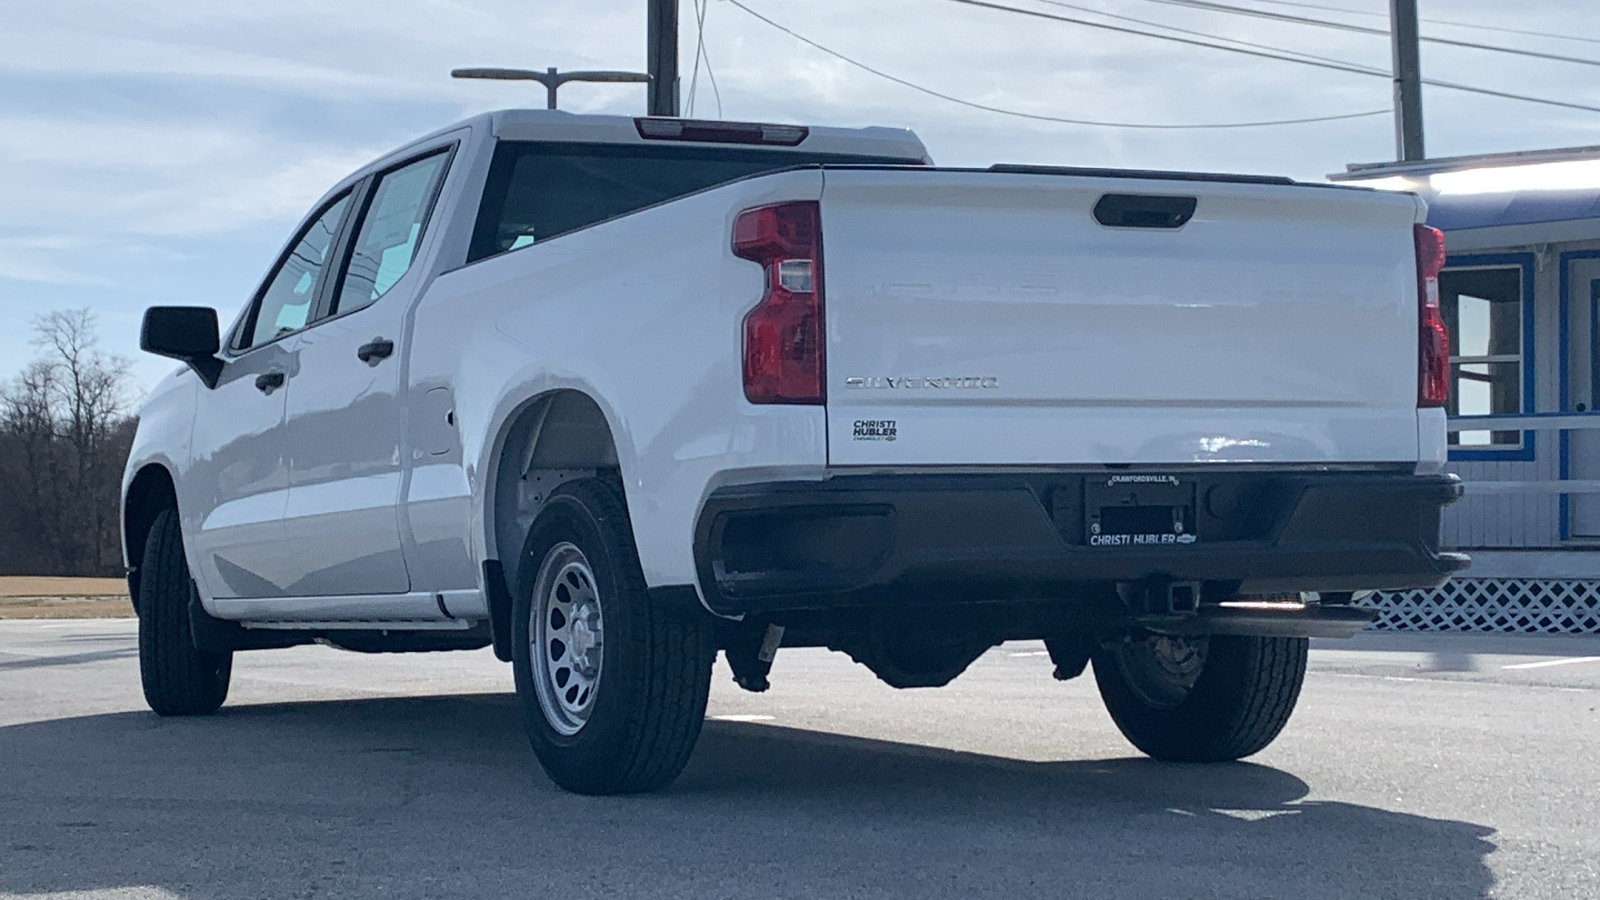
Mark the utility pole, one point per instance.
(1404, 32)
(662, 55)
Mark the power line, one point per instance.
(1361, 29)
(1305, 62)
(1447, 22)
(705, 6)
(1042, 118)
(699, 54)
(1267, 14)
(694, 74)
(1204, 34)
(1490, 92)
(1338, 9)
(1335, 65)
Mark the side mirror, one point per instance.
(186, 333)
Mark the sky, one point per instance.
(162, 151)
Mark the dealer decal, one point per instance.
(1138, 540)
(873, 430)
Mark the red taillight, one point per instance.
(1433, 347)
(783, 353)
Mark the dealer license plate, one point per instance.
(1139, 510)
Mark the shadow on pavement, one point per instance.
(71, 659)
(440, 797)
(1464, 644)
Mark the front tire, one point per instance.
(613, 687)
(179, 678)
(1207, 699)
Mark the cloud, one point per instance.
(113, 55)
(27, 265)
(138, 180)
(349, 50)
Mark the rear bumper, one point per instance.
(868, 540)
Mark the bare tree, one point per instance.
(66, 419)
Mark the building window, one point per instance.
(1482, 307)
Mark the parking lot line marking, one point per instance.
(1475, 682)
(744, 718)
(1554, 662)
(1032, 653)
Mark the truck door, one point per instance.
(346, 415)
(237, 488)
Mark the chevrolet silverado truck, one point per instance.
(614, 394)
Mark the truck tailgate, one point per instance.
(981, 318)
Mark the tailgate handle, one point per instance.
(1144, 210)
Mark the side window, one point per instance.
(387, 242)
(286, 303)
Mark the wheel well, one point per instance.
(150, 492)
(554, 438)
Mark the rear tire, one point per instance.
(1201, 700)
(179, 678)
(613, 687)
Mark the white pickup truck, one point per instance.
(614, 394)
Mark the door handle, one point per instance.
(267, 382)
(375, 351)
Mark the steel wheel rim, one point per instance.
(1162, 669)
(566, 638)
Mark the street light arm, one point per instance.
(552, 79)
(544, 78)
(507, 75)
(605, 77)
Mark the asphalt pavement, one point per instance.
(1417, 766)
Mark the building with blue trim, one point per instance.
(1521, 296)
